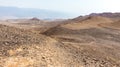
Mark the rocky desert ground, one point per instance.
(86, 41)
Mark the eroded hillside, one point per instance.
(90, 42)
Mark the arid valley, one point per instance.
(85, 41)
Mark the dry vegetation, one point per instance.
(90, 41)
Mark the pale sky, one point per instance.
(76, 7)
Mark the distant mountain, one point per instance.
(11, 12)
(107, 14)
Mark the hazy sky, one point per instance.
(70, 6)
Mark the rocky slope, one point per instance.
(21, 48)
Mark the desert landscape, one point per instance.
(85, 41)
